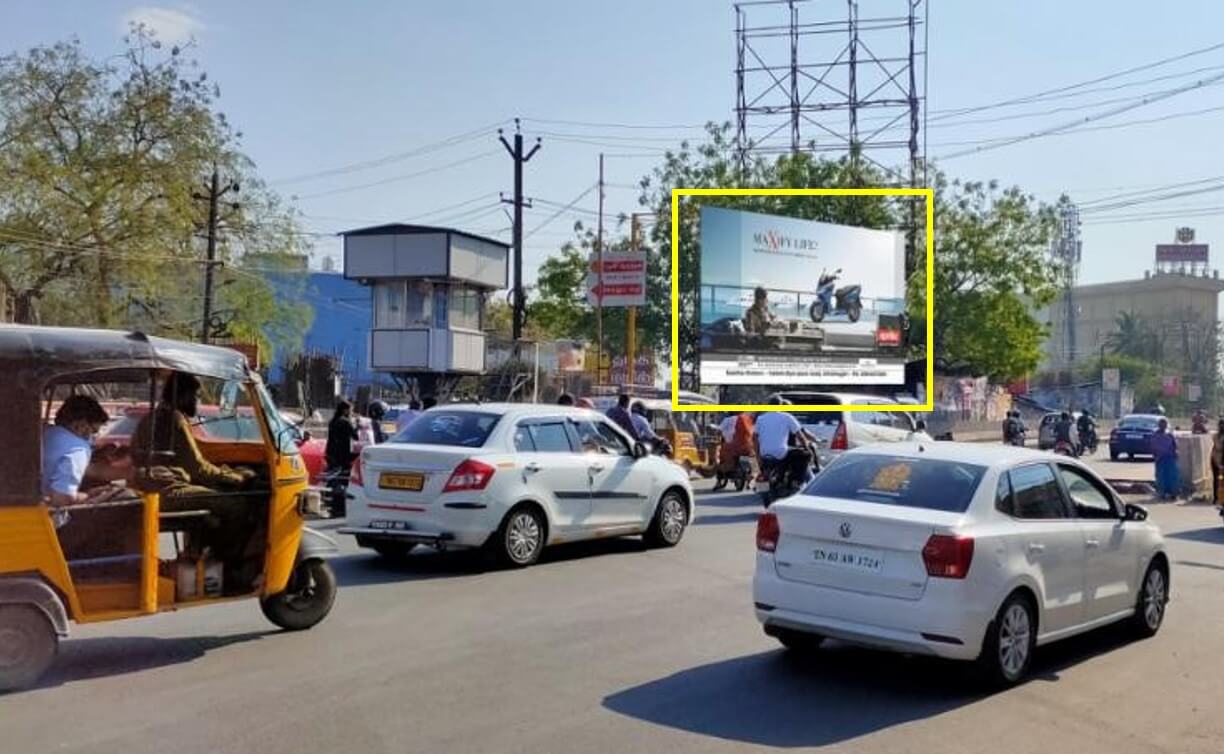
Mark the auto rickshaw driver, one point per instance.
(188, 481)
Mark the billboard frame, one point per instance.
(926, 193)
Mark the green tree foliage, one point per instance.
(560, 309)
(992, 270)
(100, 218)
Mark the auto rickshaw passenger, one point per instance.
(68, 449)
(191, 482)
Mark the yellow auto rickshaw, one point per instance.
(114, 551)
(683, 430)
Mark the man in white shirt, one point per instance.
(727, 427)
(406, 415)
(773, 436)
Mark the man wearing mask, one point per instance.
(188, 481)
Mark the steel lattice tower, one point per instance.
(830, 81)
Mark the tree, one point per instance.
(992, 270)
(103, 161)
(1134, 337)
(560, 308)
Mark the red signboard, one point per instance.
(1171, 385)
(1181, 252)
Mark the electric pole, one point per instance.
(599, 277)
(520, 159)
(215, 192)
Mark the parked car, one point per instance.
(513, 478)
(839, 431)
(1133, 436)
(1045, 429)
(975, 552)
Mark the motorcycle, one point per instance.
(740, 476)
(1018, 436)
(1088, 440)
(1064, 448)
(777, 482)
(847, 298)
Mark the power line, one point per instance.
(561, 211)
(1079, 85)
(388, 159)
(636, 126)
(397, 178)
(1076, 124)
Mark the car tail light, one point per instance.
(768, 532)
(355, 477)
(948, 557)
(469, 475)
(839, 438)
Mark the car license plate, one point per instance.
(853, 559)
(1134, 437)
(406, 482)
(391, 525)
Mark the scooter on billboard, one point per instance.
(847, 298)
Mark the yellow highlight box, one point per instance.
(927, 193)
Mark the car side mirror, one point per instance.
(639, 450)
(1132, 512)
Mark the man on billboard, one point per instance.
(758, 317)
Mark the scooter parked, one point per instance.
(847, 298)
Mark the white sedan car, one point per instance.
(513, 478)
(968, 552)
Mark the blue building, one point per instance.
(343, 317)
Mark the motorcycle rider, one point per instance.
(780, 439)
(1013, 428)
(1086, 426)
(1198, 423)
(1062, 432)
(645, 432)
(377, 412)
(758, 317)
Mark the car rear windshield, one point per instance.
(897, 480)
(469, 429)
(1132, 422)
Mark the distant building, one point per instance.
(429, 290)
(341, 325)
(1179, 294)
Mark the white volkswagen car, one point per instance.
(968, 552)
(513, 478)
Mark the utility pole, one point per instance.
(516, 153)
(215, 192)
(599, 276)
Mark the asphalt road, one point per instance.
(610, 647)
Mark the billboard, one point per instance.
(785, 301)
(1181, 252)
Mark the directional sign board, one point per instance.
(623, 281)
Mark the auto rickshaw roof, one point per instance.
(34, 355)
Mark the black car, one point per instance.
(1133, 435)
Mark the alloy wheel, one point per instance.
(673, 519)
(523, 537)
(1154, 597)
(1014, 641)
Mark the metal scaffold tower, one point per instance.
(1067, 249)
(828, 80)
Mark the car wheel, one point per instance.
(1011, 639)
(1153, 597)
(520, 539)
(669, 522)
(798, 642)
(28, 645)
(307, 599)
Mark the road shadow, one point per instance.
(728, 500)
(366, 568)
(86, 659)
(842, 692)
(1210, 534)
(713, 519)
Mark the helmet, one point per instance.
(638, 408)
(1066, 415)
(377, 410)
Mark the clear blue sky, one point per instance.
(317, 85)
